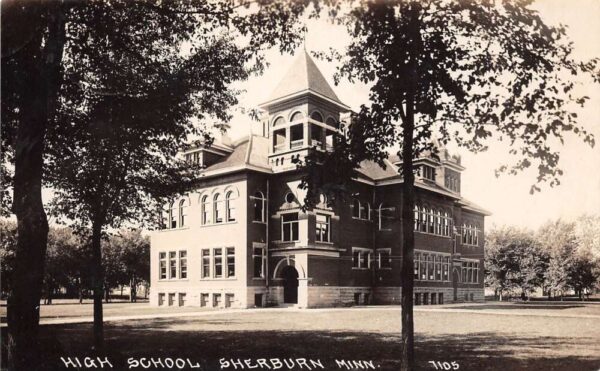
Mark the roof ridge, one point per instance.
(247, 158)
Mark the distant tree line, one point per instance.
(126, 261)
(559, 258)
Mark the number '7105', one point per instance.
(445, 365)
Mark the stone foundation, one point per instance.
(338, 296)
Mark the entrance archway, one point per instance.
(290, 284)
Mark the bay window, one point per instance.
(289, 227)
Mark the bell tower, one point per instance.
(302, 114)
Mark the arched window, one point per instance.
(331, 122)
(205, 210)
(172, 215)
(438, 222)
(367, 214)
(182, 213)
(446, 224)
(429, 220)
(356, 208)
(218, 211)
(259, 207)
(417, 217)
(316, 116)
(423, 219)
(297, 116)
(230, 206)
(164, 217)
(279, 121)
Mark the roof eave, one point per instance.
(272, 102)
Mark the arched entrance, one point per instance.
(455, 278)
(290, 284)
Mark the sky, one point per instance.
(506, 197)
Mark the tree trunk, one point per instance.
(40, 85)
(132, 290)
(97, 277)
(408, 199)
(408, 238)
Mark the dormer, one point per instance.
(302, 114)
(206, 156)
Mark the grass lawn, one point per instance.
(477, 341)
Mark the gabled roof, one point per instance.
(303, 77)
(251, 153)
(248, 153)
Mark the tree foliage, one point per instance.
(115, 85)
(463, 71)
(514, 261)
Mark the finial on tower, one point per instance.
(304, 36)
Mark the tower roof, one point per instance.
(303, 77)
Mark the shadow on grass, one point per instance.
(165, 338)
(517, 306)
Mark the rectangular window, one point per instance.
(230, 262)
(203, 300)
(172, 264)
(229, 299)
(171, 299)
(384, 259)
(258, 259)
(183, 264)
(205, 263)
(289, 227)
(428, 172)
(162, 258)
(258, 300)
(430, 268)
(259, 207)
(475, 272)
(438, 268)
(323, 227)
(216, 300)
(218, 262)
(386, 218)
(423, 267)
(361, 258)
(161, 299)
(416, 265)
(446, 269)
(181, 299)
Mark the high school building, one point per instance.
(241, 239)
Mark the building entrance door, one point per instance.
(455, 278)
(290, 285)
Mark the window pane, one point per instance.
(355, 258)
(218, 258)
(295, 232)
(205, 263)
(230, 262)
